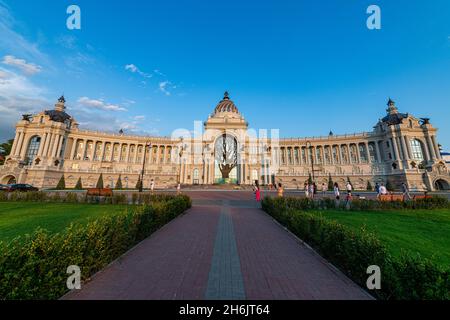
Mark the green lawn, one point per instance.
(21, 218)
(426, 232)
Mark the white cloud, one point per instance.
(18, 95)
(99, 104)
(67, 41)
(164, 87)
(139, 118)
(134, 69)
(14, 43)
(26, 67)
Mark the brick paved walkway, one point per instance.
(221, 249)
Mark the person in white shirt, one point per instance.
(152, 186)
(349, 187)
(383, 190)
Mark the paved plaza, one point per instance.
(225, 247)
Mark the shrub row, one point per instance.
(36, 268)
(362, 204)
(408, 277)
(77, 197)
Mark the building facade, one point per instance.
(223, 150)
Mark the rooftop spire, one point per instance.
(226, 96)
(391, 107)
(61, 104)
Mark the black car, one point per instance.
(21, 188)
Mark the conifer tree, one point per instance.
(61, 184)
(79, 185)
(100, 182)
(119, 183)
(330, 183)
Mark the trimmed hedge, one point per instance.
(36, 268)
(364, 205)
(79, 197)
(408, 277)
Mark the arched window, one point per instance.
(372, 152)
(353, 155)
(196, 176)
(335, 154)
(33, 148)
(362, 153)
(417, 150)
(319, 155)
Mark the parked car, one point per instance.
(3, 187)
(21, 188)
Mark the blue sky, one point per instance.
(303, 67)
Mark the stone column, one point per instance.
(436, 147)
(74, 148)
(59, 146)
(127, 155)
(366, 145)
(408, 149)
(395, 147)
(430, 147)
(20, 144)
(24, 144)
(377, 148)
(41, 146)
(13, 149)
(404, 147)
(51, 145)
(427, 154)
(47, 144)
(136, 153)
(358, 155)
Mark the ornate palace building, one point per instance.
(400, 148)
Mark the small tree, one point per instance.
(61, 184)
(310, 180)
(389, 186)
(369, 186)
(79, 185)
(330, 183)
(119, 183)
(100, 182)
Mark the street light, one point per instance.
(141, 185)
(181, 160)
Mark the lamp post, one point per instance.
(180, 154)
(309, 147)
(141, 185)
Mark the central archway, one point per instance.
(441, 185)
(226, 160)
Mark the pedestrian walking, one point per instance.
(405, 190)
(324, 189)
(307, 190)
(179, 188)
(152, 186)
(337, 194)
(258, 193)
(311, 191)
(349, 187)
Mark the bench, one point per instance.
(422, 197)
(100, 192)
